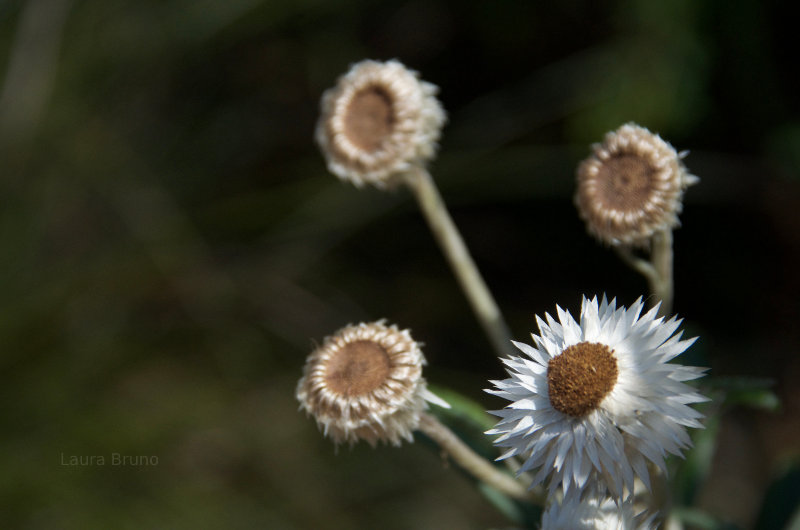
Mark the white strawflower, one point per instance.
(595, 398)
(365, 382)
(595, 513)
(631, 186)
(377, 122)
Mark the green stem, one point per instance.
(452, 244)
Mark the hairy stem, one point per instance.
(468, 459)
(452, 244)
(661, 257)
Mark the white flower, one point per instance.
(365, 382)
(595, 513)
(377, 122)
(594, 399)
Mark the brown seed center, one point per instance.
(358, 368)
(625, 182)
(369, 118)
(579, 378)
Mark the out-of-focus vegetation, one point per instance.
(171, 244)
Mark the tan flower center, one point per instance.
(581, 377)
(358, 368)
(369, 118)
(625, 182)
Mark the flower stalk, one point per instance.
(461, 262)
(657, 270)
(662, 262)
(468, 459)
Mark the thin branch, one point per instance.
(657, 271)
(472, 462)
(453, 247)
(642, 266)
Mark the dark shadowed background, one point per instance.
(172, 246)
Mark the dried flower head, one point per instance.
(377, 122)
(631, 186)
(593, 400)
(365, 382)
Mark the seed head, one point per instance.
(631, 186)
(377, 122)
(365, 382)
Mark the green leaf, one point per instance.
(693, 471)
(794, 523)
(525, 514)
(757, 399)
(753, 392)
(695, 518)
(462, 407)
(781, 506)
(467, 419)
(504, 504)
(738, 383)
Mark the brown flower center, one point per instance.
(579, 378)
(358, 368)
(625, 182)
(369, 118)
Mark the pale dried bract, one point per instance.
(631, 186)
(378, 122)
(365, 383)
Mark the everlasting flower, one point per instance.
(377, 122)
(595, 398)
(594, 513)
(631, 186)
(365, 382)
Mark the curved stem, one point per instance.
(657, 271)
(471, 461)
(452, 244)
(642, 266)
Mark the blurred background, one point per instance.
(172, 246)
